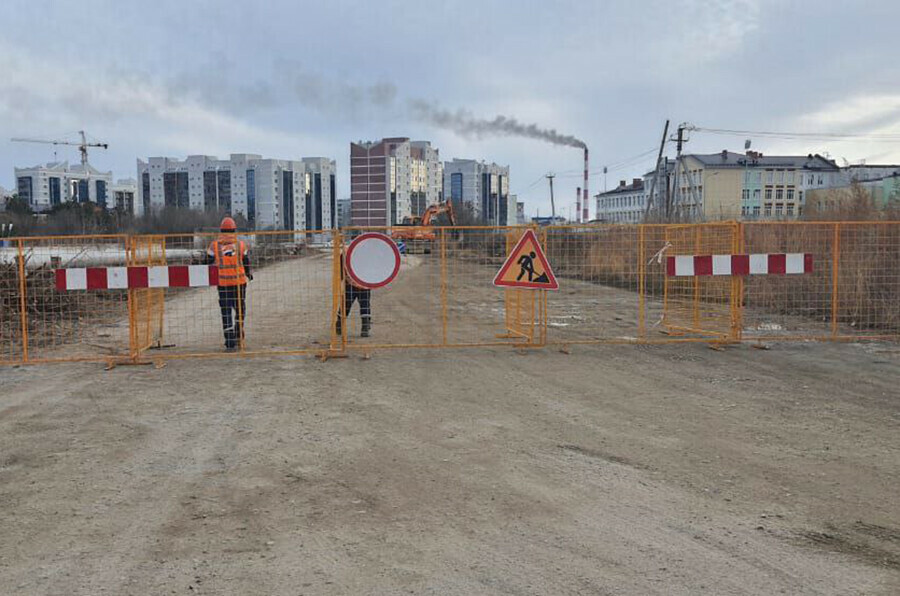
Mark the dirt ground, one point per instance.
(609, 470)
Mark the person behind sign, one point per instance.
(230, 256)
(352, 294)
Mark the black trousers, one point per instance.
(353, 294)
(233, 304)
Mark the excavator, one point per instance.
(418, 231)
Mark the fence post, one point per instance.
(337, 294)
(23, 287)
(835, 270)
(641, 282)
(698, 236)
(131, 249)
(737, 285)
(443, 287)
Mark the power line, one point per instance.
(800, 135)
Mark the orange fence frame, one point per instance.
(692, 310)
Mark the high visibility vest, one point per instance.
(229, 254)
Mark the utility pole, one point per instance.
(550, 177)
(679, 142)
(662, 145)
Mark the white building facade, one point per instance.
(269, 193)
(47, 186)
(482, 188)
(123, 195)
(626, 203)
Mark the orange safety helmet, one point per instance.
(228, 225)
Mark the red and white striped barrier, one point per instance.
(126, 278)
(760, 264)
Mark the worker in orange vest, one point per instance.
(230, 256)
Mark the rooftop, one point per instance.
(753, 159)
(637, 184)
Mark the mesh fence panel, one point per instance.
(613, 288)
(79, 324)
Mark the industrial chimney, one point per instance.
(578, 205)
(584, 202)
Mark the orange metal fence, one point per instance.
(613, 288)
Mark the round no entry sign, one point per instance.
(372, 261)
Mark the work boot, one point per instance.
(366, 325)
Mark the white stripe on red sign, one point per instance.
(126, 278)
(756, 264)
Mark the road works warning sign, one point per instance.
(526, 266)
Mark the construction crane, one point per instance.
(82, 146)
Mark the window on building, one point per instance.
(756, 211)
(779, 209)
(800, 196)
(790, 194)
(224, 182)
(821, 181)
(100, 189)
(780, 176)
(745, 194)
(768, 194)
(779, 194)
(456, 187)
(768, 209)
(82, 191)
(790, 209)
(810, 180)
(744, 210)
(756, 194)
(55, 192)
(770, 176)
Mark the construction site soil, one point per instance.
(671, 469)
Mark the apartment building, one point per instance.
(269, 193)
(626, 203)
(343, 213)
(392, 179)
(731, 185)
(880, 186)
(482, 188)
(122, 195)
(520, 213)
(47, 186)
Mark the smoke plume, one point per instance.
(466, 124)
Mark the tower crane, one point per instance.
(82, 146)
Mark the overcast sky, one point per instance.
(292, 79)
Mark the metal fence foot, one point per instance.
(329, 354)
(114, 362)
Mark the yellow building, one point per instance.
(730, 185)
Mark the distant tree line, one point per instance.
(69, 219)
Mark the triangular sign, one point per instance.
(526, 266)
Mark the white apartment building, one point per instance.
(626, 203)
(343, 213)
(122, 195)
(269, 193)
(481, 187)
(46, 186)
(426, 176)
(392, 179)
